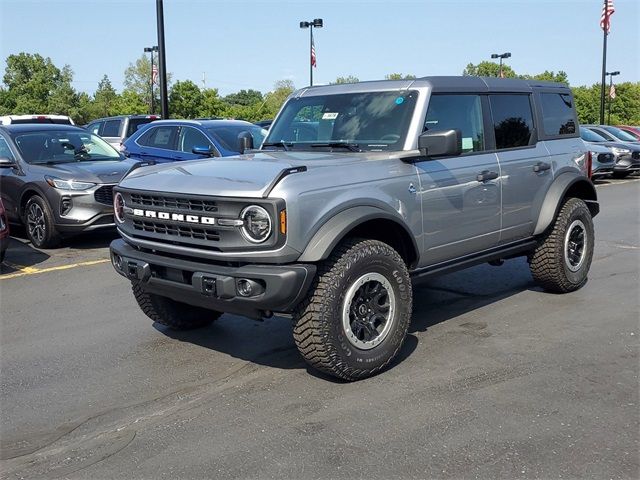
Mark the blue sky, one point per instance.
(252, 43)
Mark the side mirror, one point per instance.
(7, 162)
(440, 143)
(206, 151)
(245, 141)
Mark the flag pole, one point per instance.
(311, 56)
(604, 61)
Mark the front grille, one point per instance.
(635, 155)
(172, 202)
(605, 158)
(104, 195)
(182, 231)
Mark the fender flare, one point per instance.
(336, 228)
(557, 192)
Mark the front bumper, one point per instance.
(80, 211)
(278, 288)
(626, 163)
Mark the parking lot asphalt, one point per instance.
(497, 379)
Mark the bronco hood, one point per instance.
(251, 175)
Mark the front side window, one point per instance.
(189, 138)
(603, 133)
(159, 137)
(512, 120)
(373, 121)
(111, 128)
(620, 134)
(462, 112)
(558, 115)
(5, 151)
(227, 135)
(52, 147)
(591, 136)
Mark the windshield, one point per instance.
(373, 121)
(591, 136)
(621, 134)
(227, 135)
(64, 146)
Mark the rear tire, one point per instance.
(562, 260)
(38, 219)
(168, 312)
(356, 315)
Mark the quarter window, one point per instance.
(111, 128)
(557, 113)
(462, 112)
(512, 120)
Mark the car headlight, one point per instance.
(620, 151)
(256, 226)
(68, 184)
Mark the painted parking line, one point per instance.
(617, 182)
(23, 271)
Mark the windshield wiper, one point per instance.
(283, 145)
(354, 147)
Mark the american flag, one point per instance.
(313, 54)
(612, 92)
(605, 18)
(154, 74)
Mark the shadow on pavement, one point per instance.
(21, 254)
(270, 343)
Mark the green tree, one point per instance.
(488, 69)
(244, 98)
(274, 99)
(105, 98)
(548, 76)
(130, 103)
(185, 99)
(211, 104)
(137, 79)
(399, 76)
(347, 79)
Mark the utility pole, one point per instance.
(164, 101)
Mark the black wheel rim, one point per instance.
(575, 245)
(36, 225)
(368, 310)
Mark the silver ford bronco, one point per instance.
(358, 192)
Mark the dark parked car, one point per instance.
(57, 180)
(174, 140)
(116, 130)
(4, 232)
(627, 155)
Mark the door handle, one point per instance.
(486, 175)
(541, 167)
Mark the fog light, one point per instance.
(245, 289)
(117, 261)
(65, 205)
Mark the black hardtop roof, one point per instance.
(13, 129)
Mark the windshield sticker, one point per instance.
(330, 116)
(467, 143)
(399, 100)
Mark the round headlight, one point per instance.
(118, 207)
(256, 224)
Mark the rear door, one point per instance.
(460, 195)
(525, 163)
(157, 143)
(11, 181)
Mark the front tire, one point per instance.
(38, 219)
(561, 262)
(168, 312)
(357, 312)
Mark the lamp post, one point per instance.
(611, 75)
(162, 71)
(501, 56)
(317, 23)
(151, 50)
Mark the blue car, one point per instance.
(176, 140)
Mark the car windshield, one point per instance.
(63, 146)
(591, 136)
(227, 135)
(621, 134)
(373, 121)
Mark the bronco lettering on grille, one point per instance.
(176, 217)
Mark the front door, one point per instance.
(461, 196)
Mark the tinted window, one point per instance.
(557, 113)
(134, 123)
(111, 128)
(604, 134)
(512, 120)
(5, 151)
(621, 134)
(190, 137)
(94, 128)
(227, 135)
(159, 137)
(591, 136)
(462, 112)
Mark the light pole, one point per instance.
(151, 50)
(162, 60)
(317, 23)
(611, 75)
(501, 56)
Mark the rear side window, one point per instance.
(111, 128)
(134, 123)
(159, 137)
(512, 120)
(462, 112)
(5, 151)
(557, 113)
